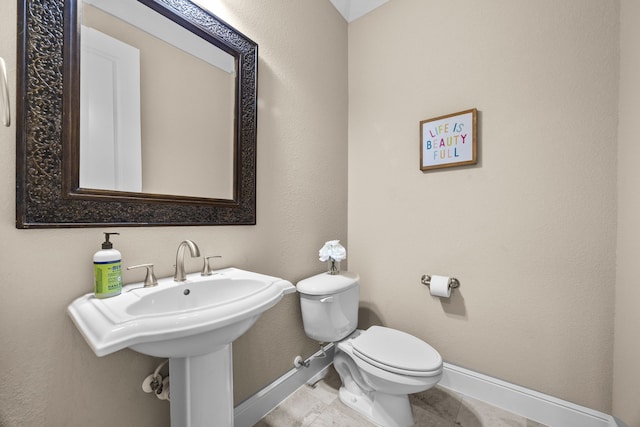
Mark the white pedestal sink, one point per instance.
(193, 323)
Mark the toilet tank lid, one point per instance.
(325, 283)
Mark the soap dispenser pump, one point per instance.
(107, 269)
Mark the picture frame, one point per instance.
(449, 141)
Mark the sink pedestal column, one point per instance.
(202, 389)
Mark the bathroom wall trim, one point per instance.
(250, 411)
(528, 403)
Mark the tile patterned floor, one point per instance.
(319, 406)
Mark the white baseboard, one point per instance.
(250, 411)
(531, 404)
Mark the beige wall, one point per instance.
(49, 375)
(626, 392)
(529, 231)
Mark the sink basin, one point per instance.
(194, 295)
(178, 319)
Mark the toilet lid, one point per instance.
(397, 351)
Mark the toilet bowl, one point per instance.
(377, 380)
(379, 366)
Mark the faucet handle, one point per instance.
(150, 278)
(206, 268)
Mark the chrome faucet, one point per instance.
(179, 275)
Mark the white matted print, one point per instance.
(448, 141)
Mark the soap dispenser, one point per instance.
(107, 269)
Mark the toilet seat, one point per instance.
(396, 351)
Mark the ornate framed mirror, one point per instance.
(52, 187)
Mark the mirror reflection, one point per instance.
(157, 105)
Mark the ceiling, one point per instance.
(354, 9)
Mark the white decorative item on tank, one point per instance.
(333, 252)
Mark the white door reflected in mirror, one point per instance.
(110, 140)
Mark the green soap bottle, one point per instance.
(107, 270)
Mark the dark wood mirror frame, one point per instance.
(48, 84)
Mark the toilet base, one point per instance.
(384, 410)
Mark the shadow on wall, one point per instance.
(368, 316)
(454, 306)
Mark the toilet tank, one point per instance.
(329, 305)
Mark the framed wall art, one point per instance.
(449, 141)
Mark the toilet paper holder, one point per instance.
(453, 282)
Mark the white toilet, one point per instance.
(378, 367)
